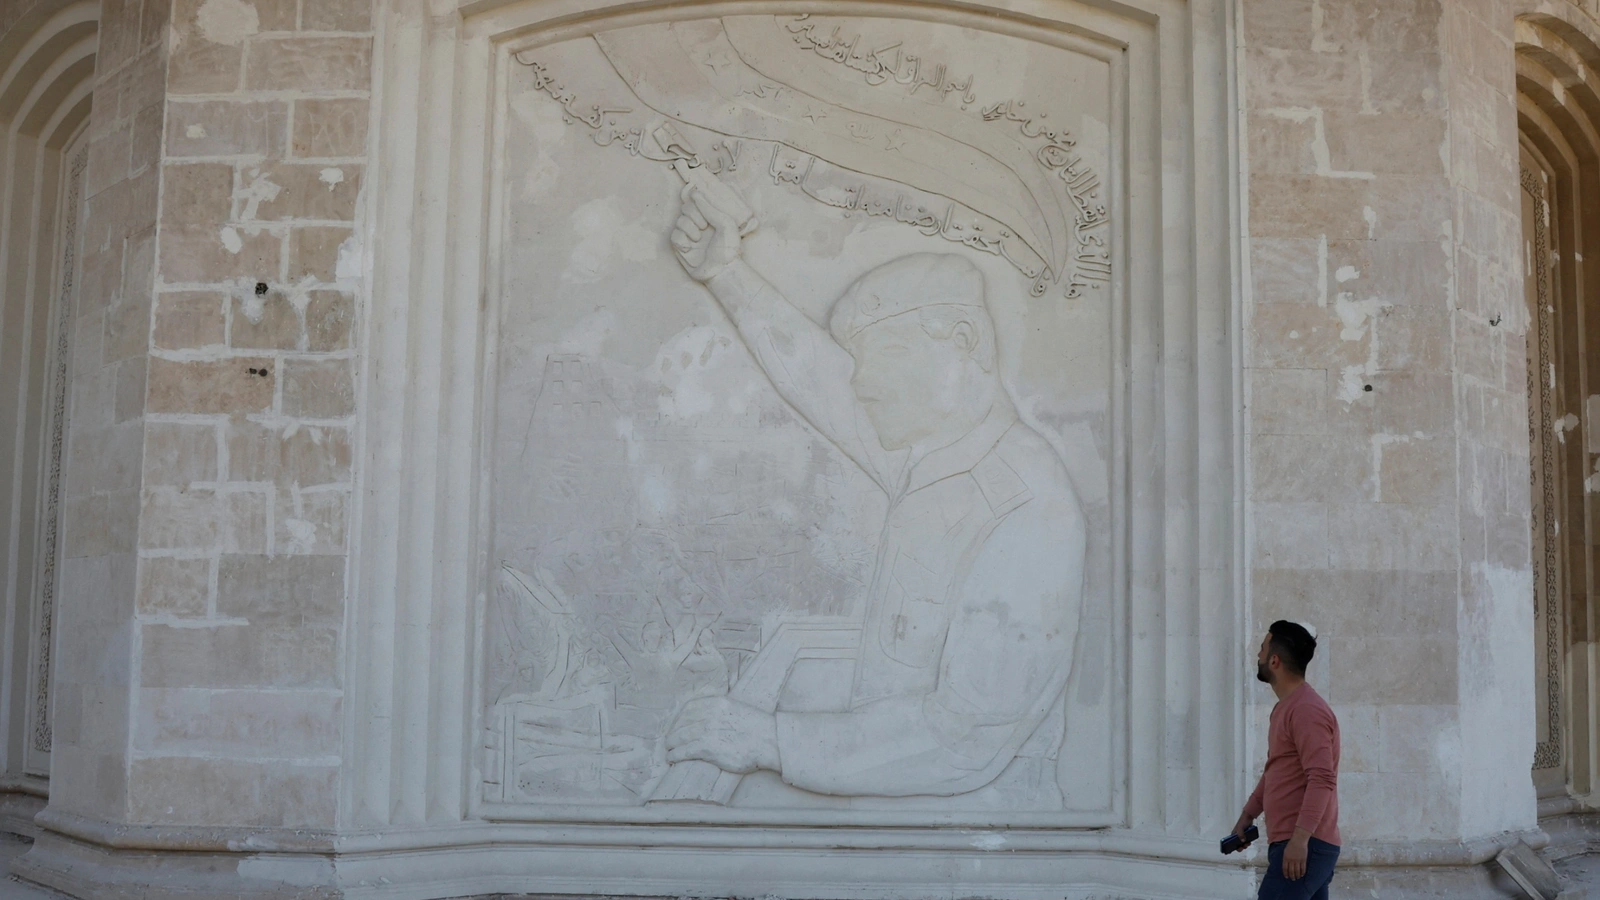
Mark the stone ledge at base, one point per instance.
(1574, 831)
(20, 800)
(483, 859)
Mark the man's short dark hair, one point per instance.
(1293, 644)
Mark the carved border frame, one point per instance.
(1107, 48)
(411, 660)
(49, 558)
(1545, 477)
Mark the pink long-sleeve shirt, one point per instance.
(1300, 787)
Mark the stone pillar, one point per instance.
(1494, 618)
(211, 430)
(1386, 414)
(96, 673)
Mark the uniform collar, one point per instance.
(967, 451)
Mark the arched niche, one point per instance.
(46, 86)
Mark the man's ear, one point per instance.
(964, 336)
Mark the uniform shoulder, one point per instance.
(1025, 452)
(1026, 482)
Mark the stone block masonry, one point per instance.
(246, 488)
(213, 402)
(1386, 341)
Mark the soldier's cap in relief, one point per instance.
(918, 281)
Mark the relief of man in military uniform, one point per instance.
(974, 605)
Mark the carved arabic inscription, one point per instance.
(1088, 266)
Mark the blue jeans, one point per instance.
(1320, 857)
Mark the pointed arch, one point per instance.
(47, 68)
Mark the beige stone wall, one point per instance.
(212, 412)
(1386, 410)
(247, 474)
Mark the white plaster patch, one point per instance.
(1352, 383)
(545, 120)
(1379, 441)
(261, 188)
(606, 238)
(1353, 316)
(1347, 273)
(1371, 216)
(253, 305)
(195, 131)
(1322, 270)
(989, 840)
(302, 536)
(348, 265)
(1565, 424)
(227, 21)
(332, 177)
(1497, 697)
(231, 239)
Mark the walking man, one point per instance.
(1299, 789)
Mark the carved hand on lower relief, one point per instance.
(734, 736)
(706, 237)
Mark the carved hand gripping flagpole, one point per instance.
(686, 164)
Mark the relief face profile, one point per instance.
(766, 545)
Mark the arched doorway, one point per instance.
(45, 94)
(1558, 103)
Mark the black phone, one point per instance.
(1232, 843)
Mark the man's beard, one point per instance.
(1263, 674)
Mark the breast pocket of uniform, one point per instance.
(917, 615)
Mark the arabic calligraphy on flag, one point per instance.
(907, 140)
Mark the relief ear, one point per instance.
(964, 336)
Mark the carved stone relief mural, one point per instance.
(804, 421)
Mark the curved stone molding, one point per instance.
(50, 550)
(1556, 47)
(48, 56)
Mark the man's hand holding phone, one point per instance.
(1244, 834)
